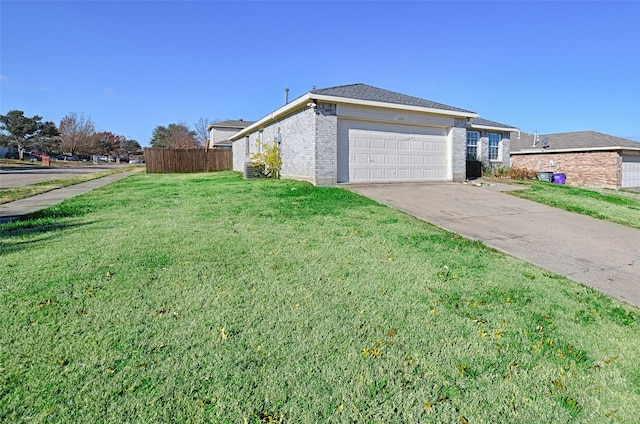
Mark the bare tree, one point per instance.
(202, 131)
(77, 134)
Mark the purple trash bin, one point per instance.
(559, 178)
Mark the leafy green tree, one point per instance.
(132, 147)
(21, 131)
(175, 136)
(108, 143)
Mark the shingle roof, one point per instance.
(487, 123)
(580, 140)
(367, 92)
(232, 123)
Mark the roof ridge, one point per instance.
(361, 91)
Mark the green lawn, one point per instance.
(622, 207)
(209, 298)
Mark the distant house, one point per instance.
(359, 134)
(587, 158)
(220, 132)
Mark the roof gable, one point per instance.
(375, 94)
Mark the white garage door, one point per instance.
(631, 171)
(381, 152)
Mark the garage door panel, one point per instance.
(391, 144)
(377, 143)
(630, 171)
(376, 174)
(361, 158)
(390, 152)
(404, 174)
(416, 146)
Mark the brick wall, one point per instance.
(326, 148)
(297, 148)
(458, 135)
(503, 149)
(596, 169)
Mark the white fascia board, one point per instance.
(575, 150)
(385, 105)
(490, 128)
(283, 110)
(303, 100)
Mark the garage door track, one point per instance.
(599, 254)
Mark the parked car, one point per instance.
(66, 158)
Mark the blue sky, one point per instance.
(546, 66)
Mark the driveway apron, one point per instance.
(599, 254)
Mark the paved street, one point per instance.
(11, 177)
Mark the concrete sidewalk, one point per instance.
(597, 253)
(14, 210)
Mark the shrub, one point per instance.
(267, 161)
(511, 173)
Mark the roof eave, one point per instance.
(492, 128)
(388, 105)
(303, 100)
(283, 110)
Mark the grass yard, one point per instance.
(622, 207)
(209, 298)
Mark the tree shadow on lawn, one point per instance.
(35, 225)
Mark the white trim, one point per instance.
(389, 105)
(490, 128)
(283, 110)
(306, 98)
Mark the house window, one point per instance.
(494, 146)
(472, 145)
(247, 145)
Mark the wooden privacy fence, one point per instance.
(164, 161)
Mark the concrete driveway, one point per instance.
(597, 253)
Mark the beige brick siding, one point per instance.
(595, 169)
(458, 135)
(297, 149)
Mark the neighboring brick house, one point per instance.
(220, 132)
(358, 133)
(587, 158)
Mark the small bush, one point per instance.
(267, 160)
(511, 173)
